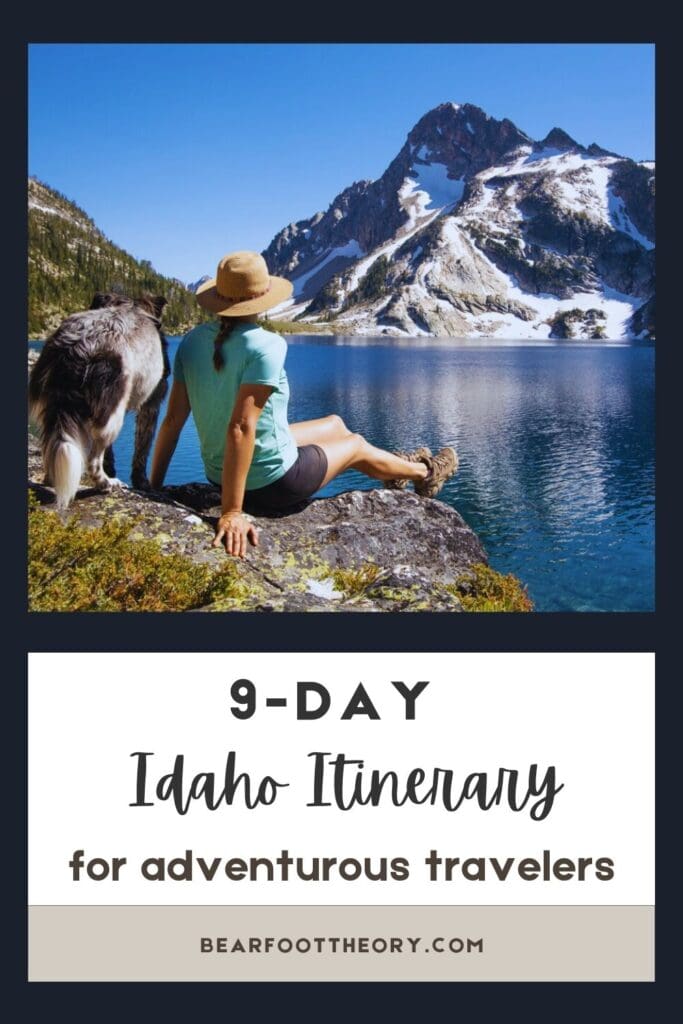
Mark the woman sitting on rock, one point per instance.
(230, 374)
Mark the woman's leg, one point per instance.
(328, 428)
(346, 450)
(354, 452)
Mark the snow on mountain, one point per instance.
(621, 221)
(476, 229)
(428, 187)
(33, 204)
(351, 249)
(42, 199)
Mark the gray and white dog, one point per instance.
(96, 366)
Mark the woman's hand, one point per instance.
(234, 530)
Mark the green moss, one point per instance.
(353, 582)
(398, 594)
(73, 568)
(406, 599)
(482, 589)
(485, 590)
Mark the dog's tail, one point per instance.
(64, 459)
(69, 394)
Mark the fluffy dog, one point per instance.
(97, 365)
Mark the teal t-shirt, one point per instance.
(252, 355)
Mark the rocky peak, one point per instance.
(557, 138)
(595, 150)
(344, 227)
(462, 137)
(345, 200)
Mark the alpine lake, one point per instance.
(555, 441)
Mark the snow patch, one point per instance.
(587, 192)
(622, 222)
(289, 307)
(352, 250)
(546, 160)
(544, 154)
(428, 189)
(618, 308)
(478, 207)
(53, 210)
(454, 238)
(591, 194)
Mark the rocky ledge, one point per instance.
(376, 550)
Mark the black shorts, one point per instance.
(302, 479)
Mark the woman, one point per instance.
(231, 375)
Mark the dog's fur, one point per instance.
(92, 369)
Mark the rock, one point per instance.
(376, 550)
(643, 321)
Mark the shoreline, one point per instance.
(423, 341)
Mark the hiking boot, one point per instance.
(419, 455)
(441, 468)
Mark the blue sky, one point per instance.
(183, 152)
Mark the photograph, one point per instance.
(357, 329)
(341, 327)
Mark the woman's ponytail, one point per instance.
(226, 326)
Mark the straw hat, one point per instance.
(242, 285)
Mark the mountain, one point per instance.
(477, 229)
(194, 285)
(69, 259)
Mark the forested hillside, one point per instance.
(69, 259)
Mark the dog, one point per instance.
(97, 365)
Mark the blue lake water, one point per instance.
(556, 447)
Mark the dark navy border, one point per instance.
(578, 22)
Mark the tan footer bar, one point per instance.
(341, 943)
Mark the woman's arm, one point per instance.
(232, 528)
(177, 411)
